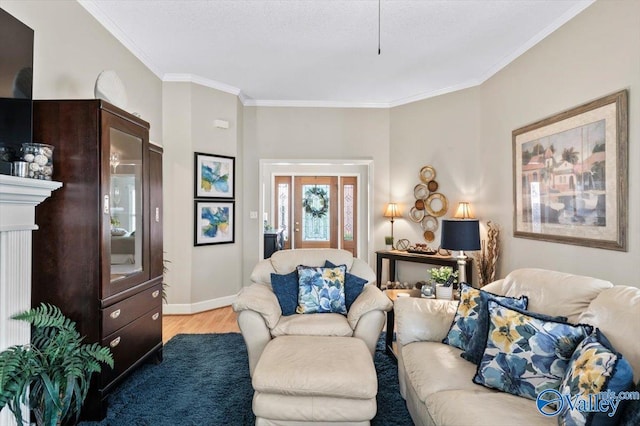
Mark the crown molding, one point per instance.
(93, 8)
(196, 79)
(433, 94)
(315, 104)
(560, 21)
(95, 11)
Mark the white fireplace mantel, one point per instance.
(18, 200)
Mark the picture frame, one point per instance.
(214, 176)
(570, 174)
(214, 222)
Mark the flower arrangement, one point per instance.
(442, 274)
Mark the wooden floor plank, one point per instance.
(221, 320)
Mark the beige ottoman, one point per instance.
(315, 379)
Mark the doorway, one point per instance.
(350, 182)
(322, 211)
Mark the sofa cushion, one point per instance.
(285, 261)
(432, 367)
(321, 290)
(471, 320)
(615, 313)
(316, 366)
(285, 287)
(594, 367)
(526, 355)
(313, 325)
(554, 293)
(470, 407)
(353, 285)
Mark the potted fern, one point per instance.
(51, 375)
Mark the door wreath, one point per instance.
(315, 202)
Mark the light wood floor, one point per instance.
(222, 320)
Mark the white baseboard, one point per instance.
(194, 308)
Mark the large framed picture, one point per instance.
(214, 176)
(214, 222)
(570, 176)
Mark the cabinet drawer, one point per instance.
(122, 313)
(132, 342)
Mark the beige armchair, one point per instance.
(260, 316)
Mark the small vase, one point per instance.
(445, 293)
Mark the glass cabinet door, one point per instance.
(125, 204)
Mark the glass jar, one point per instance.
(39, 158)
(428, 290)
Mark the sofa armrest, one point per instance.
(261, 299)
(371, 299)
(420, 320)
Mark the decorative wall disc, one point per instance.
(427, 173)
(443, 200)
(432, 185)
(419, 204)
(429, 236)
(416, 215)
(420, 191)
(429, 223)
(403, 244)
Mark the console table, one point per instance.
(397, 255)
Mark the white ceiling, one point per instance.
(325, 52)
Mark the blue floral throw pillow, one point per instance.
(478, 340)
(321, 290)
(285, 288)
(468, 321)
(526, 355)
(353, 285)
(594, 367)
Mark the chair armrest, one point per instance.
(371, 299)
(423, 320)
(261, 299)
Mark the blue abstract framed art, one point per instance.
(214, 176)
(214, 222)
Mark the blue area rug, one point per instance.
(204, 380)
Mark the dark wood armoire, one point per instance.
(98, 251)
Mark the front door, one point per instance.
(316, 212)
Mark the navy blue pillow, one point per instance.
(353, 285)
(478, 340)
(285, 288)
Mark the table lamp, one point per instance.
(460, 234)
(392, 211)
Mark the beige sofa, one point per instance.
(260, 316)
(437, 383)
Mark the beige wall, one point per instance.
(467, 135)
(71, 48)
(595, 54)
(313, 133)
(200, 277)
(443, 132)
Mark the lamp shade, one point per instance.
(460, 235)
(464, 211)
(392, 211)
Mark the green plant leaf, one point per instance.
(53, 371)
